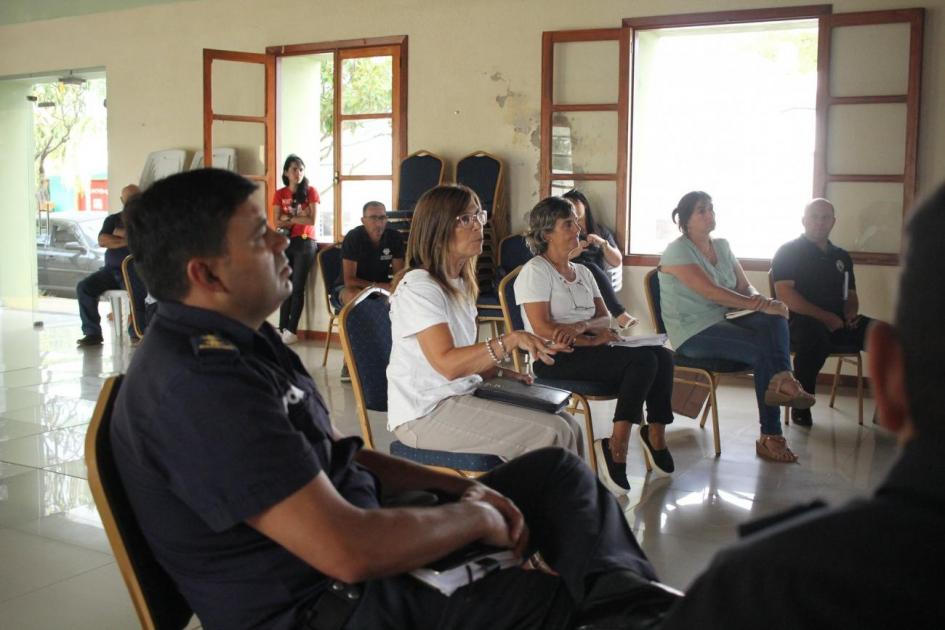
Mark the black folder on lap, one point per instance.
(540, 397)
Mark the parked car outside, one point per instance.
(67, 250)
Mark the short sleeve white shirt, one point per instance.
(569, 302)
(414, 387)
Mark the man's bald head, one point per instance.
(818, 220)
(128, 192)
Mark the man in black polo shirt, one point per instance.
(370, 254)
(815, 279)
(254, 503)
(108, 278)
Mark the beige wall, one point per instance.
(474, 76)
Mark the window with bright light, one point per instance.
(730, 110)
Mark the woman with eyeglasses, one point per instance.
(597, 251)
(436, 362)
(296, 206)
(560, 300)
(701, 281)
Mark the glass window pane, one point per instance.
(586, 72)
(249, 140)
(869, 216)
(867, 139)
(325, 220)
(238, 88)
(367, 147)
(354, 194)
(305, 115)
(729, 110)
(584, 142)
(367, 85)
(869, 60)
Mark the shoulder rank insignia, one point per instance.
(204, 344)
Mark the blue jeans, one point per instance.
(760, 340)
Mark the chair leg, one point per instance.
(787, 415)
(715, 419)
(331, 324)
(495, 328)
(708, 406)
(836, 381)
(577, 402)
(859, 385)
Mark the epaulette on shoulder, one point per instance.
(211, 344)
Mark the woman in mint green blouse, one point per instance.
(700, 281)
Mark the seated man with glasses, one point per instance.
(561, 301)
(370, 255)
(436, 362)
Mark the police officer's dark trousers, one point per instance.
(575, 523)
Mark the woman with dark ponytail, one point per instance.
(296, 206)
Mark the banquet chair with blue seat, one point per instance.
(702, 373)
(364, 324)
(329, 266)
(156, 599)
(582, 392)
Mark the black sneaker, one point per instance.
(345, 376)
(802, 417)
(662, 459)
(612, 474)
(90, 340)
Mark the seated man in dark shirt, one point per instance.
(875, 563)
(108, 278)
(370, 255)
(254, 503)
(815, 279)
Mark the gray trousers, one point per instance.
(467, 424)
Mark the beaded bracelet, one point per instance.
(505, 351)
(492, 354)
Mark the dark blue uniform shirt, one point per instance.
(215, 423)
(374, 261)
(113, 257)
(818, 275)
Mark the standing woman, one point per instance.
(436, 362)
(700, 281)
(296, 205)
(560, 301)
(598, 251)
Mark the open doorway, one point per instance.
(55, 186)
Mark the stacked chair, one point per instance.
(419, 172)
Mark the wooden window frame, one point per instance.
(826, 21)
(396, 46)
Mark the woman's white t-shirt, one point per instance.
(414, 388)
(569, 302)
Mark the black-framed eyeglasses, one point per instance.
(376, 217)
(466, 220)
(584, 295)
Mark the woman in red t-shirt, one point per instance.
(296, 206)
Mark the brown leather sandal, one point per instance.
(774, 448)
(775, 395)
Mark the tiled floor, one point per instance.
(57, 571)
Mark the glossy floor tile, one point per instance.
(57, 570)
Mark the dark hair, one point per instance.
(542, 219)
(179, 218)
(918, 314)
(301, 191)
(576, 195)
(687, 206)
(370, 204)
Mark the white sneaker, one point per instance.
(289, 337)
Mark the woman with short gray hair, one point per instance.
(560, 301)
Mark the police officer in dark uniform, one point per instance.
(874, 563)
(815, 279)
(265, 516)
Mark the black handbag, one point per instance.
(540, 397)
